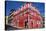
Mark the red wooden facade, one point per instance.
(26, 13)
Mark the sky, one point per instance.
(16, 5)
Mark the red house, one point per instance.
(26, 17)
